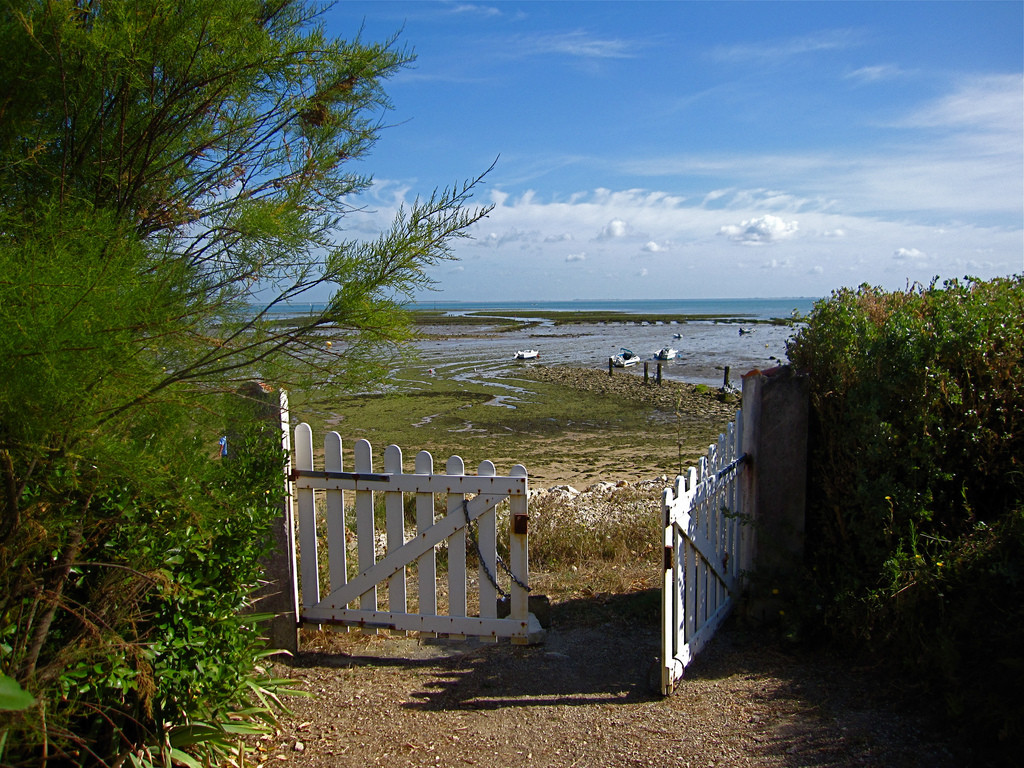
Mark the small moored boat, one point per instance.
(666, 353)
(527, 354)
(625, 358)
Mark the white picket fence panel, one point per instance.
(470, 499)
(704, 541)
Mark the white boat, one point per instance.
(677, 335)
(625, 358)
(666, 353)
(527, 354)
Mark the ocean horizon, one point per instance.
(751, 308)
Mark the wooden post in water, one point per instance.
(725, 383)
(647, 377)
(611, 366)
(659, 374)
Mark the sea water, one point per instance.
(757, 309)
(753, 308)
(705, 347)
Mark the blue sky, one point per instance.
(706, 149)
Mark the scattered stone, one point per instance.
(564, 490)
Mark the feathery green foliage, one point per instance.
(164, 166)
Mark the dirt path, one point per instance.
(582, 698)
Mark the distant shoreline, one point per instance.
(578, 311)
(578, 317)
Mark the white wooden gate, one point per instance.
(471, 501)
(704, 541)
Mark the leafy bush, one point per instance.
(916, 492)
(124, 608)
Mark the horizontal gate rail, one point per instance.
(411, 483)
(703, 543)
(472, 501)
(439, 625)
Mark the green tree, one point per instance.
(164, 166)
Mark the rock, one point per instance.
(564, 490)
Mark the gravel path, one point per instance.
(582, 699)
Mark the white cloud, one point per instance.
(958, 155)
(715, 195)
(781, 50)
(904, 254)
(614, 228)
(874, 73)
(579, 43)
(509, 236)
(759, 231)
(473, 8)
(653, 247)
(528, 235)
(992, 104)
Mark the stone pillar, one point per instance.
(775, 421)
(278, 593)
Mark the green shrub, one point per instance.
(917, 486)
(125, 608)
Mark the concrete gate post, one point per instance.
(775, 421)
(277, 592)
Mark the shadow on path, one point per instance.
(579, 662)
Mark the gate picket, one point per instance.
(456, 546)
(518, 547)
(394, 523)
(426, 564)
(307, 518)
(366, 534)
(487, 552)
(337, 557)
